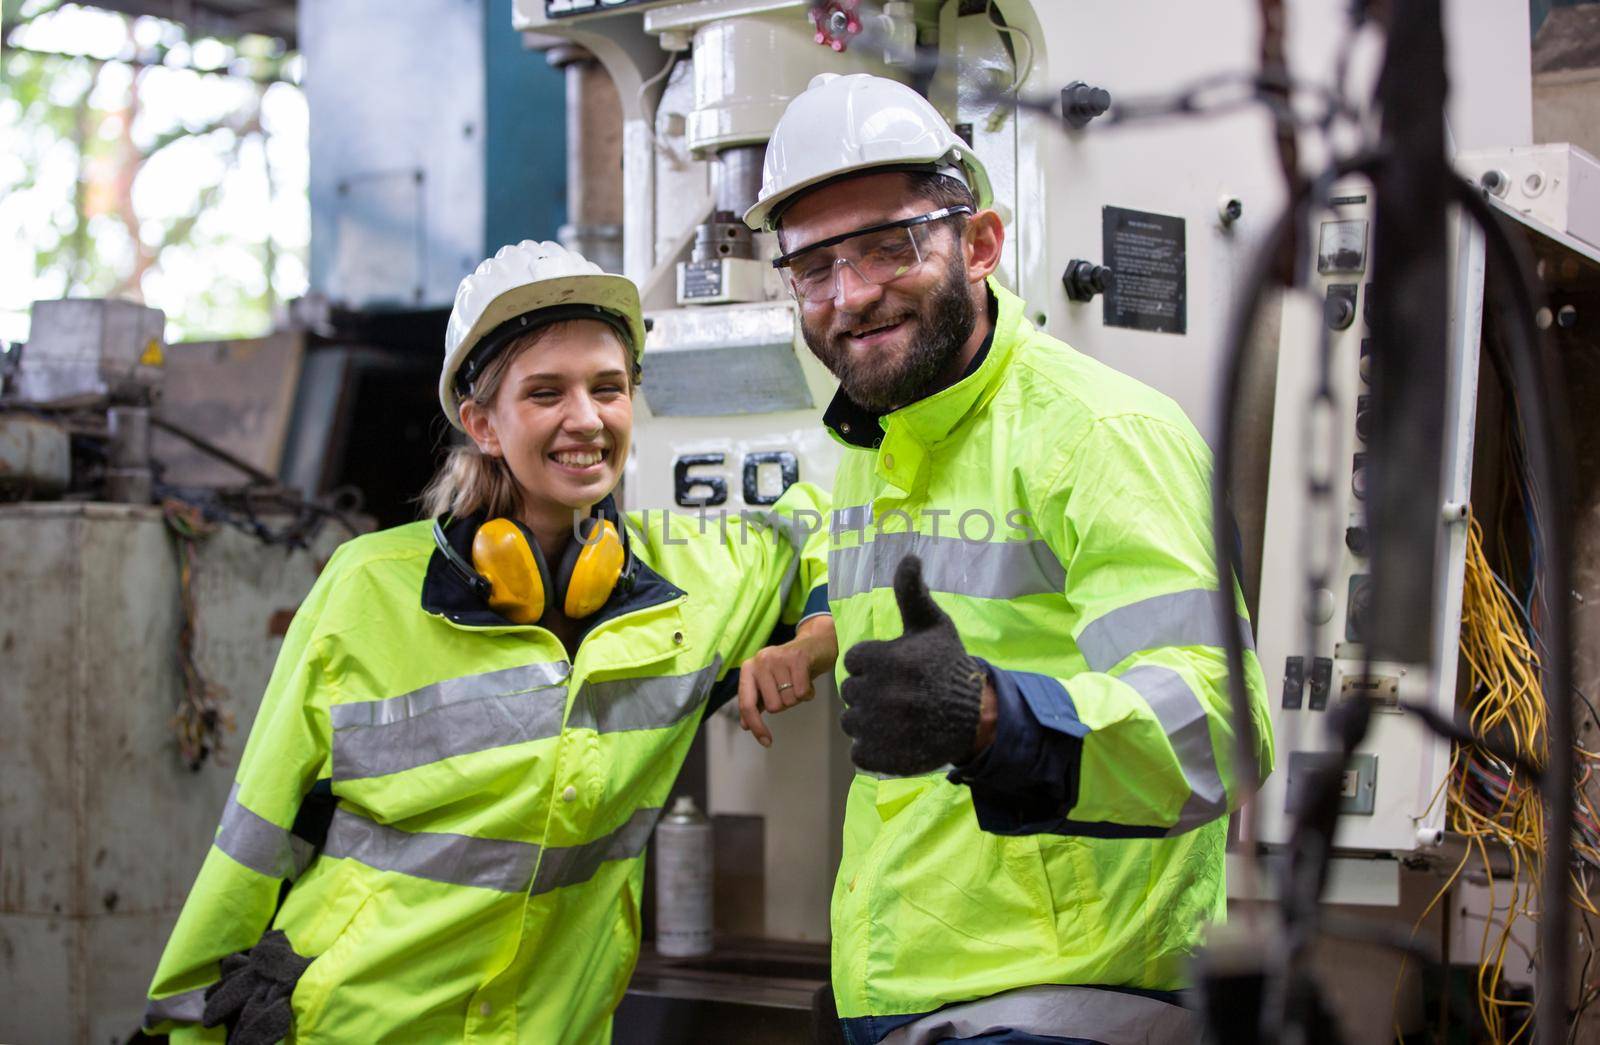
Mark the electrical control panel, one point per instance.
(1316, 607)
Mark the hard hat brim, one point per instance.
(763, 217)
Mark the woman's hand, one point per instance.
(779, 677)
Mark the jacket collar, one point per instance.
(446, 594)
(929, 420)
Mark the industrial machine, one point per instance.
(137, 639)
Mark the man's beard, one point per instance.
(943, 325)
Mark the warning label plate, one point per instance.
(1147, 253)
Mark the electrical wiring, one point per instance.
(1547, 442)
(1023, 68)
(644, 88)
(1491, 803)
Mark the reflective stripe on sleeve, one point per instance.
(574, 864)
(454, 717)
(1077, 1013)
(489, 863)
(187, 1007)
(1180, 618)
(985, 570)
(619, 705)
(1183, 719)
(258, 843)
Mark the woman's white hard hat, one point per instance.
(855, 123)
(503, 295)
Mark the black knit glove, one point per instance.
(252, 997)
(914, 700)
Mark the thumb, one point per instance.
(917, 607)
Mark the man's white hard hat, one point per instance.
(521, 288)
(845, 124)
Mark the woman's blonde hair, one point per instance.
(470, 480)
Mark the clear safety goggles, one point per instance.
(876, 255)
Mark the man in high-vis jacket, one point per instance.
(1021, 574)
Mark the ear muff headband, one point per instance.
(472, 578)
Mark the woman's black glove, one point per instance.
(914, 700)
(252, 997)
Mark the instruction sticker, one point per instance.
(1147, 254)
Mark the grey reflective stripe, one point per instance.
(521, 679)
(1181, 618)
(258, 843)
(641, 703)
(187, 1007)
(846, 520)
(488, 863)
(984, 570)
(454, 717)
(1109, 1017)
(1183, 719)
(573, 864)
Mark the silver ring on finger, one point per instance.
(786, 685)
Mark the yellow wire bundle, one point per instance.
(1489, 801)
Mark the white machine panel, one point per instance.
(729, 417)
(1556, 185)
(1310, 643)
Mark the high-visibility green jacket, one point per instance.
(1062, 514)
(480, 877)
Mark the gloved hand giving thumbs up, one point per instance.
(915, 700)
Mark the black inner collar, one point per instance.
(858, 426)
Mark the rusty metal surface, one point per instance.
(101, 827)
(91, 347)
(35, 456)
(237, 394)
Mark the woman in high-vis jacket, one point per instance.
(438, 827)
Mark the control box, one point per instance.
(1316, 588)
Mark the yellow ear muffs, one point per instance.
(508, 557)
(590, 568)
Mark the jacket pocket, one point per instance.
(333, 937)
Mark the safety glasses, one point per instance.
(877, 255)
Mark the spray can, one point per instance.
(683, 881)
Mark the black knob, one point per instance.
(1339, 312)
(1355, 538)
(1081, 103)
(1085, 279)
(1358, 616)
(1364, 418)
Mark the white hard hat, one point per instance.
(842, 124)
(499, 301)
